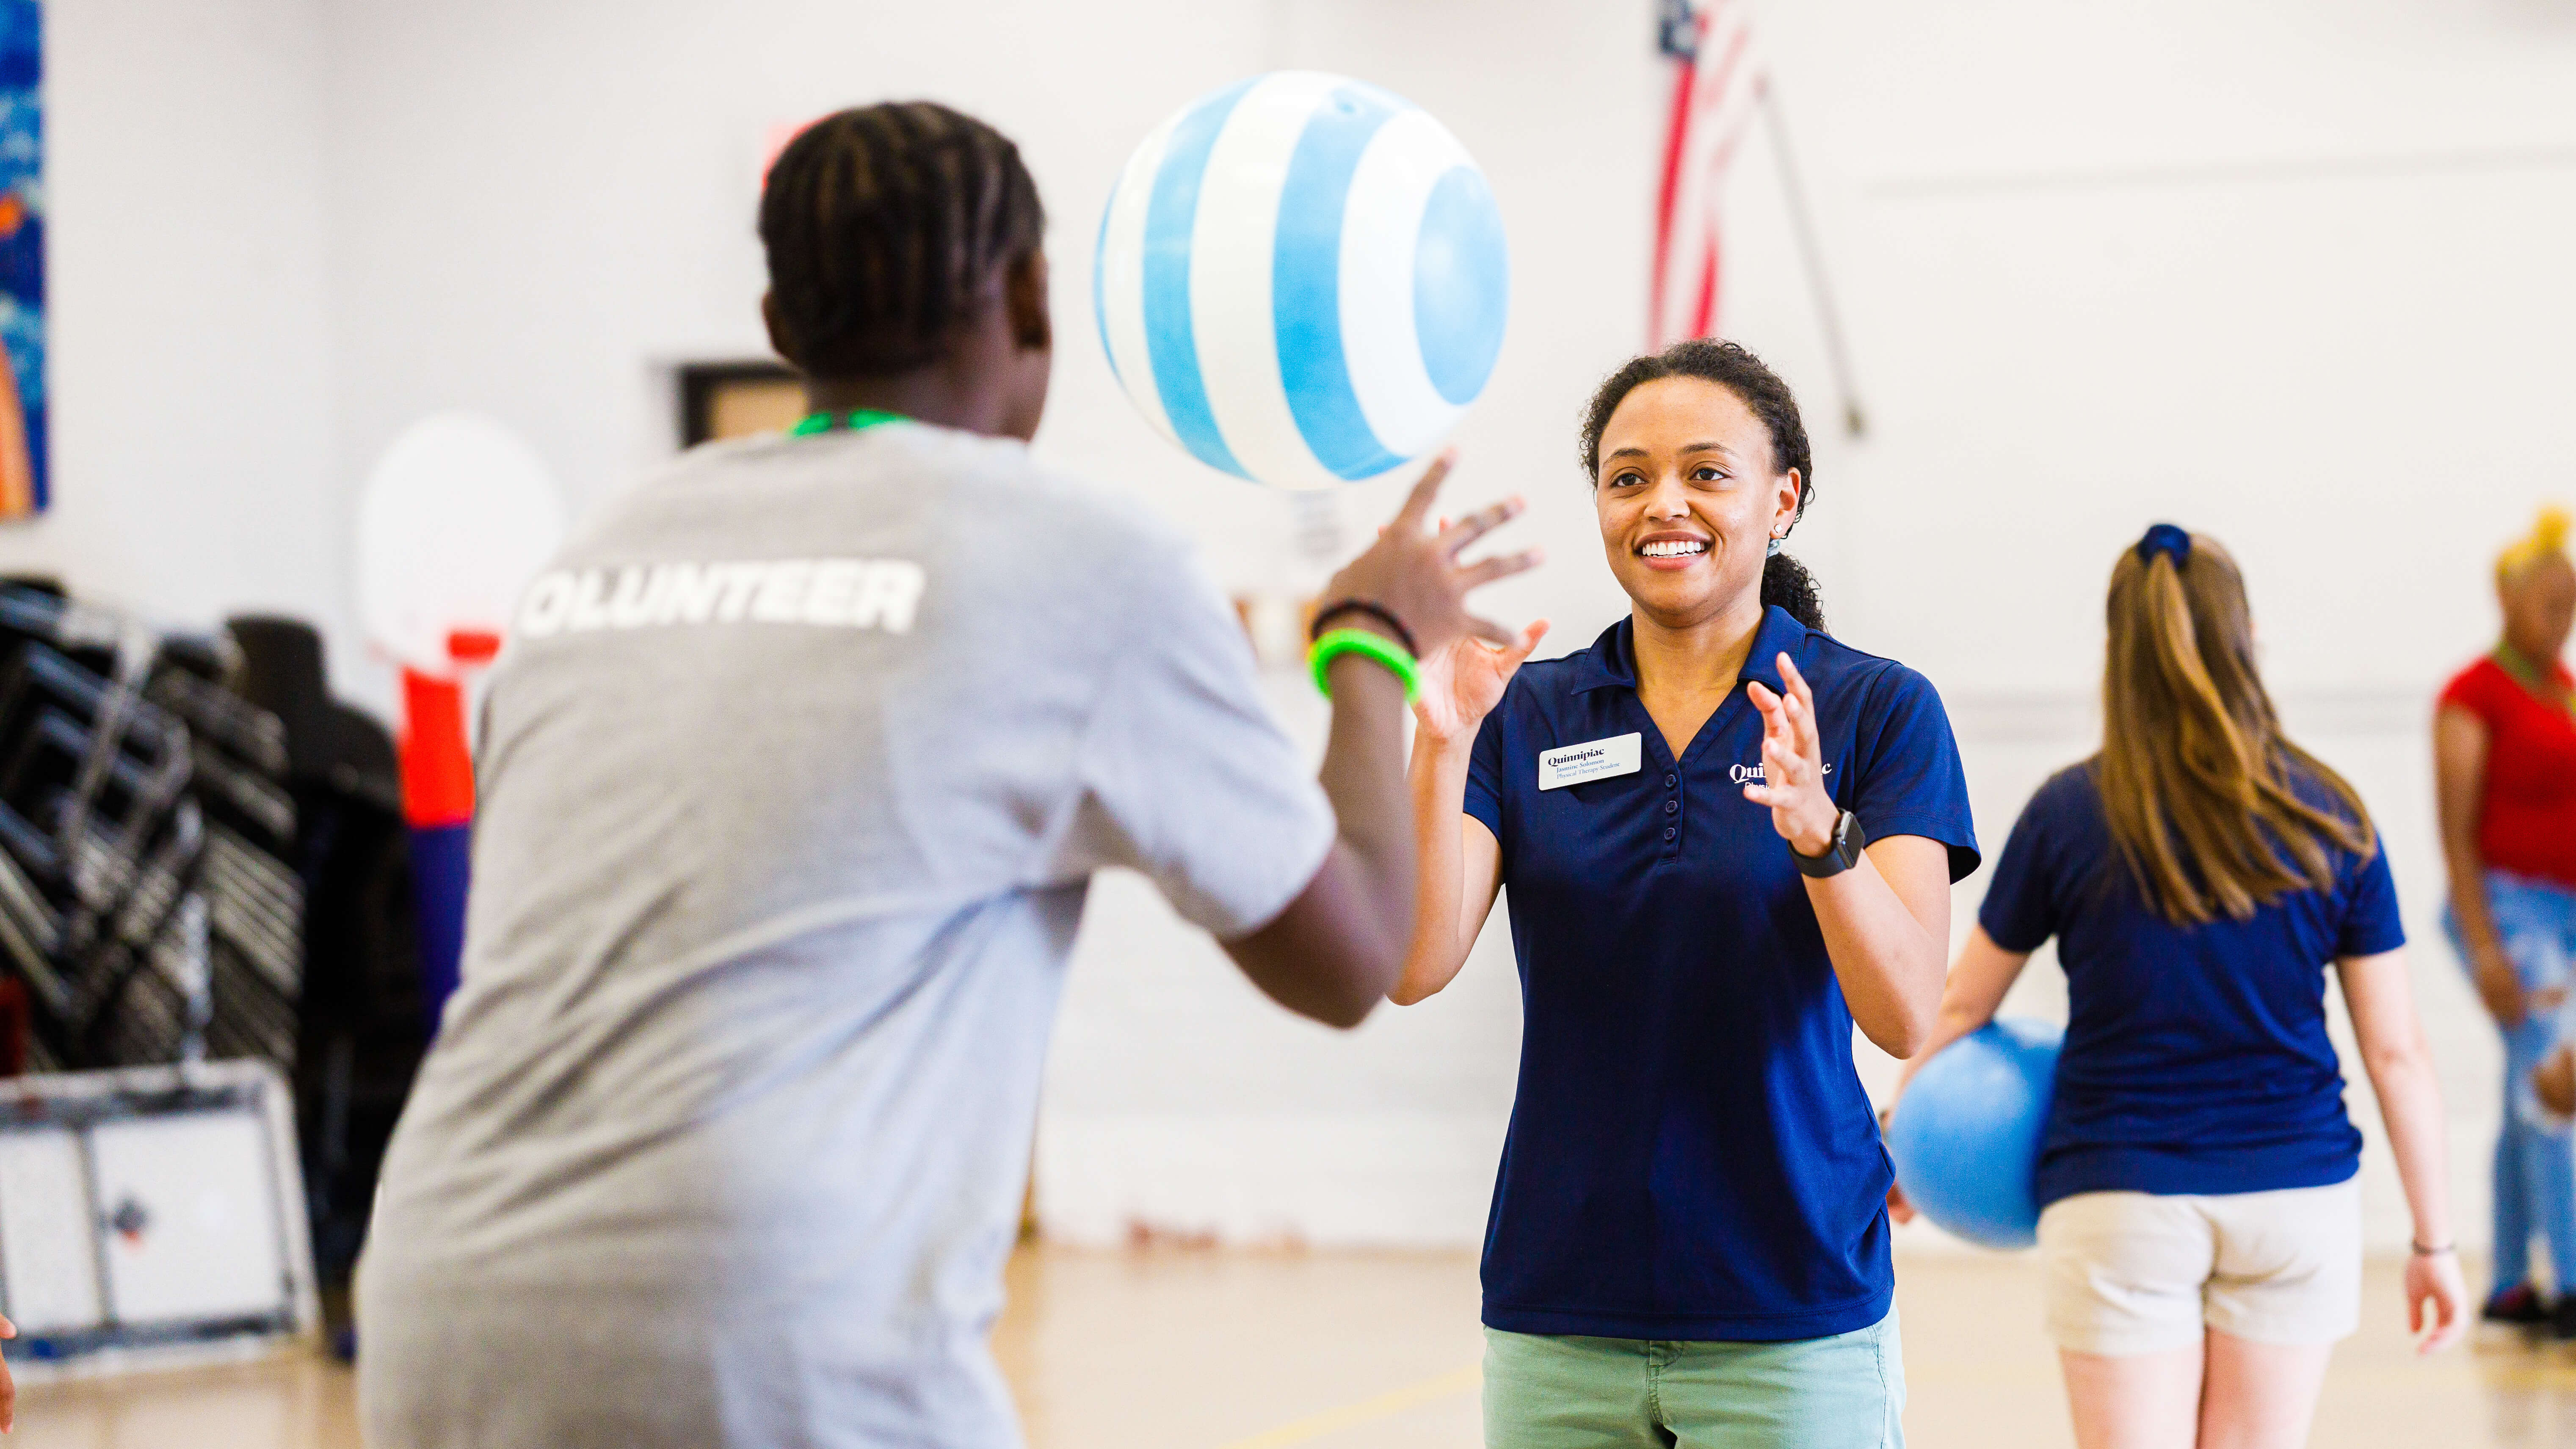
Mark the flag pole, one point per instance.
(1837, 353)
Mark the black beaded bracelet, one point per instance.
(1377, 611)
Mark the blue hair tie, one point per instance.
(2164, 538)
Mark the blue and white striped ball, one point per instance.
(1302, 280)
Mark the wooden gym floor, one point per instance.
(1176, 1348)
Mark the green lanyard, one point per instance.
(2542, 685)
(865, 418)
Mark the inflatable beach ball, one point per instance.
(1302, 280)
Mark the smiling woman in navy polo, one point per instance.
(1728, 837)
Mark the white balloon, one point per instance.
(457, 516)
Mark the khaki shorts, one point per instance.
(2132, 1273)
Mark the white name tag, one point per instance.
(1591, 760)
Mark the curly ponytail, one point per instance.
(1785, 581)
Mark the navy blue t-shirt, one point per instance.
(2196, 1057)
(1691, 1154)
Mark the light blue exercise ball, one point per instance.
(1302, 280)
(1966, 1133)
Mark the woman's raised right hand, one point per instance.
(1463, 680)
(1413, 571)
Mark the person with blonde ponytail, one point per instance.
(2504, 757)
(2201, 1220)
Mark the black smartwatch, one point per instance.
(1842, 855)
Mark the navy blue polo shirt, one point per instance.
(1691, 1155)
(2196, 1057)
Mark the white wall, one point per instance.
(537, 209)
(2287, 271)
(189, 377)
(1243, 1122)
(2291, 274)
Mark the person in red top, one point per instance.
(2504, 754)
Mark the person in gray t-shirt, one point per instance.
(793, 775)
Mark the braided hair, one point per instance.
(1785, 581)
(885, 226)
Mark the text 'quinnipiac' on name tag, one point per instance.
(1591, 760)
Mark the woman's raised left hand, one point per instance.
(1793, 765)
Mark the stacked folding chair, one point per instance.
(144, 900)
(254, 902)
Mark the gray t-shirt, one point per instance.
(793, 776)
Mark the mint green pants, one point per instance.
(1844, 1392)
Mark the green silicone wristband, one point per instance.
(1369, 645)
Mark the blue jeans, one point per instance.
(2535, 1159)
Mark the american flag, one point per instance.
(1718, 84)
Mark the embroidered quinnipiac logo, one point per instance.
(1747, 774)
